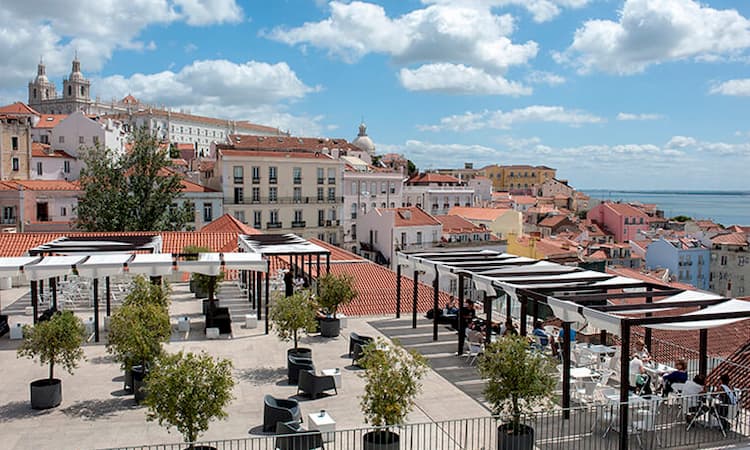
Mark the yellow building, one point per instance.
(551, 249)
(15, 147)
(518, 177)
(502, 222)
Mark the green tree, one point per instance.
(57, 341)
(516, 377)
(134, 191)
(681, 218)
(411, 168)
(290, 315)
(187, 391)
(144, 291)
(336, 291)
(392, 381)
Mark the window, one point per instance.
(257, 219)
(273, 193)
(239, 195)
(256, 194)
(403, 239)
(331, 175)
(321, 217)
(354, 211)
(297, 194)
(14, 143)
(15, 163)
(238, 174)
(297, 175)
(39, 170)
(9, 214)
(274, 219)
(375, 236)
(373, 188)
(320, 175)
(419, 238)
(298, 216)
(240, 215)
(95, 140)
(256, 174)
(354, 231)
(44, 139)
(382, 187)
(272, 174)
(354, 188)
(435, 236)
(320, 194)
(63, 211)
(393, 187)
(331, 194)
(208, 212)
(80, 140)
(724, 260)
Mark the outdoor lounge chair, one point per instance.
(217, 317)
(314, 385)
(354, 339)
(294, 365)
(4, 327)
(297, 438)
(277, 410)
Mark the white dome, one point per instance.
(363, 141)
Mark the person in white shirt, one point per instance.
(637, 368)
(692, 393)
(642, 351)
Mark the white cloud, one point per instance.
(465, 37)
(540, 77)
(655, 31)
(541, 10)
(504, 120)
(459, 79)
(252, 90)
(94, 28)
(738, 87)
(642, 116)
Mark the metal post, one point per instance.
(317, 285)
(488, 314)
(398, 291)
(108, 292)
(53, 287)
(414, 300)
(96, 309)
(211, 289)
(566, 370)
(248, 276)
(603, 337)
(259, 291)
(647, 333)
(534, 310)
(34, 300)
(702, 352)
(507, 306)
(522, 330)
(41, 289)
(461, 324)
(624, 383)
(435, 307)
(268, 298)
(328, 264)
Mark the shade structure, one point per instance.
(11, 267)
(99, 266)
(732, 306)
(279, 244)
(245, 261)
(151, 264)
(52, 266)
(206, 264)
(124, 243)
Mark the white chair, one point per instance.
(586, 390)
(475, 349)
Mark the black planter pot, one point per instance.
(127, 384)
(192, 286)
(202, 447)
(300, 352)
(381, 440)
(46, 393)
(200, 290)
(521, 438)
(330, 327)
(139, 384)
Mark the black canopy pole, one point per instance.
(34, 300)
(488, 313)
(41, 289)
(461, 323)
(647, 334)
(624, 382)
(317, 263)
(53, 287)
(398, 291)
(414, 300)
(96, 309)
(258, 291)
(507, 306)
(524, 301)
(248, 276)
(328, 263)
(435, 306)
(534, 311)
(268, 299)
(703, 352)
(108, 293)
(211, 289)
(566, 370)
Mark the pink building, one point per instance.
(620, 220)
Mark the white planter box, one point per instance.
(212, 333)
(183, 324)
(251, 321)
(16, 331)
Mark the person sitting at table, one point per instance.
(727, 398)
(676, 376)
(475, 334)
(691, 392)
(539, 332)
(510, 329)
(451, 307)
(640, 382)
(642, 351)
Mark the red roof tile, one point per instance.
(228, 224)
(730, 239)
(50, 120)
(18, 108)
(430, 177)
(39, 150)
(189, 186)
(411, 216)
(457, 224)
(47, 185)
(274, 154)
(624, 209)
(286, 143)
(469, 213)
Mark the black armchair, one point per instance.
(4, 327)
(219, 318)
(294, 365)
(277, 410)
(354, 339)
(314, 385)
(294, 437)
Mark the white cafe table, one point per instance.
(323, 422)
(580, 373)
(335, 373)
(656, 370)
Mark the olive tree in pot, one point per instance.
(392, 381)
(335, 291)
(292, 315)
(517, 381)
(57, 341)
(187, 391)
(200, 284)
(138, 329)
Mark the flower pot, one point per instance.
(201, 447)
(380, 440)
(330, 327)
(46, 393)
(200, 291)
(192, 286)
(520, 438)
(127, 384)
(139, 383)
(300, 352)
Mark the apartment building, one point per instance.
(518, 178)
(730, 264)
(437, 193)
(15, 146)
(687, 259)
(283, 184)
(624, 222)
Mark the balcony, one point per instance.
(9, 220)
(237, 180)
(272, 180)
(278, 200)
(297, 180)
(331, 180)
(320, 180)
(354, 215)
(256, 180)
(332, 223)
(273, 225)
(299, 224)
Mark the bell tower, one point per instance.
(41, 89)
(76, 89)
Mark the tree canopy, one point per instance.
(133, 191)
(290, 315)
(56, 341)
(336, 291)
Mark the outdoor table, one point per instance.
(613, 400)
(656, 370)
(335, 373)
(580, 373)
(599, 351)
(323, 422)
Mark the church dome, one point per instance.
(363, 141)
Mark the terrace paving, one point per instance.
(95, 412)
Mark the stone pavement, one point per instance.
(95, 413)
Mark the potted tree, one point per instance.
(187, 391)
(392, 381)
(56, 341)
(200, 283)
(517, 379)
(292, 315)
(335, 291)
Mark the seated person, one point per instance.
(561, 336)
(640, 382)
(451, 307)
(539, 332)
(474, 334)
(677, 376)
(510, 329)
(727, 398)
(642, 351)
(691, 392)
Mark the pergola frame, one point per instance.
(577, 295)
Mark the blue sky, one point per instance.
(620, 94)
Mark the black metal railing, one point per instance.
(288, 200)
(299, 224)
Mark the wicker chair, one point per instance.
(294, 437)
(294, 365)
(277, 410)
(314, 385)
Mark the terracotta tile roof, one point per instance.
(274, 154)
(457, 224)
(189, 186)
(206, 165)
(643, 243)
(553, 221)
(431, 177)
(304, 144)
(598, 255)
(50, 120)
(730, 239)
(648, 277)
(129, 100)
(624, 209)
(39, 150)
(18, 108)
(490, 214)
(737, 366)
(178, 162)
(46, 185)
(411, 216)
(228, 224)
(337, 253)
(523, 199)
